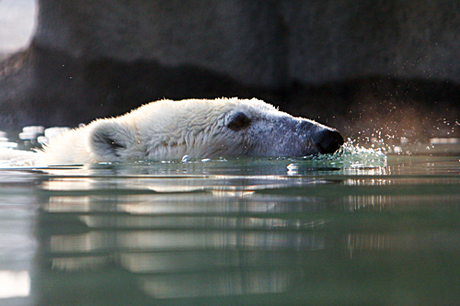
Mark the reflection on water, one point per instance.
(247, 232)
(14, 284)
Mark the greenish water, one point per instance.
(356, 229)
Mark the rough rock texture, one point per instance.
(336, 60)
(337, 40)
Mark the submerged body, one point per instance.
(199, 128)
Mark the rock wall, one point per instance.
(103, 57)
(338, 40)
(230, 37)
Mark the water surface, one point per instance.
(348, 229)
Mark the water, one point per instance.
(359, 227)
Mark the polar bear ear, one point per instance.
(238, 121)
(109, 139)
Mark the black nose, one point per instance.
(330, 141)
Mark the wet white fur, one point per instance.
(161, 130)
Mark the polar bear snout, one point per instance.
(329, 141)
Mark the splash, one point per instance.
(17, 158)
(353, 155)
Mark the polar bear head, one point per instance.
(166, 129)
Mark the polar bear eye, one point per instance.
(239, 121)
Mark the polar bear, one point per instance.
(199, 128)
